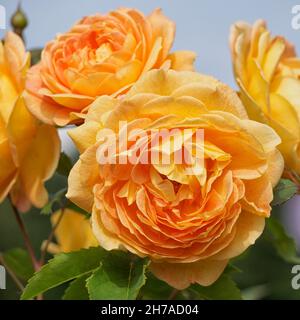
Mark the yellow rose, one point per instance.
(72, 233)
(29, 150)
(189, 225)
(267, 71)
(100, 55)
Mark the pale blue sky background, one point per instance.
(202, 25)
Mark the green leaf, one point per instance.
(119, 277)
(19, 262)
(283, 243)
(155, 289)
(57, 201)
(63, 268)
(284, 191)
(77, 289)
(65, 165)
(223, 289)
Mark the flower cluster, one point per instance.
(114, 77)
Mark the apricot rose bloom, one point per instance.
(188, 225)
(100, 55)
(72, 231)
(29, 150)
(267, 71)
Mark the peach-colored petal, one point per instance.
(264, 134)
(39, 164)
(8, 169)
(181, 275)
(83, 177)
(69, 100)
(272, 57)
(8, 96)
(206, 89)
(106, 239)
(276, 166)
(84, 136)
(17, 58)
(153, 57)
(21, 129)
(182, 60)
(164, 28)
(74, 231)
(258, 196)
(46, 111)
(249, 228)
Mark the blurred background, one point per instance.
(202, 26)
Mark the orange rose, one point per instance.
(100, 55)
(29, 150)
(189, 225)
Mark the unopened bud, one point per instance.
(19, 21)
